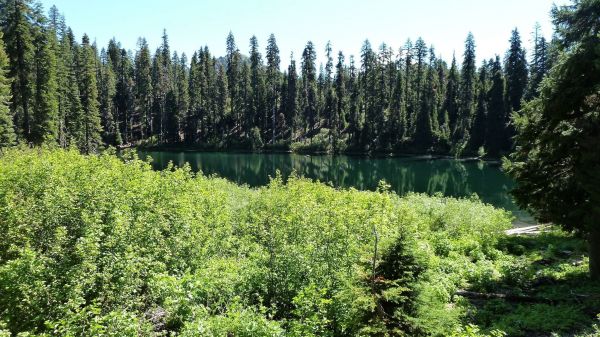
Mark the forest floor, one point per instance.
(546, 293)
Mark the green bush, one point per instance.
(97, 245)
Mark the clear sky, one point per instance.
(347, 23)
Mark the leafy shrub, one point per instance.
(97, 245)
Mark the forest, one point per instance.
(96, 241)
(72, 92)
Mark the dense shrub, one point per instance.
(97, 245)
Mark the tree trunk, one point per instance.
(594, 246)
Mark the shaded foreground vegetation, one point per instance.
(99, 246)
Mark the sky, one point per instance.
(191, 24)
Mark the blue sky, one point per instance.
(194, 23)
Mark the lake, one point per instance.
(450, 177)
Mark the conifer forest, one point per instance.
(258, 192)
(70, 91)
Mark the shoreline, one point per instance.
(364, 154)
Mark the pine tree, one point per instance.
(516, 82)
(44, 124)
(516, 72)
(441, 120)
(409, 92)
(466, 94)
(162, 86)
(90, 127)
(124, 98)
(183, 95)
(478, 131)
(143, 87)
(172, 114)
(397, 107)
(369, 88)
(354, 104)
(18, 39)
(496, 130)
(451, 105)
(223, 100)
(556, 161)
(291, 97)
(309, 86)
(210, 93)
(327, 88)
(245, 95)
(420, 54)
(424, 137)
(107, 89)
(233, 60)
(339, 116)
(69, 104)
(539, 63)
(273, 82)
(257, 83)
(383, 88)
(192, 118)
(7, 129)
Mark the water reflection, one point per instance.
(447, 176)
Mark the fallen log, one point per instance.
(507, 297)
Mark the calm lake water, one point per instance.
(447, 176)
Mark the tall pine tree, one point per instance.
(7, 129)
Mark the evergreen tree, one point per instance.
(539, 63)
(273, 82)
(397, 109)
(496, 110)
(233, 59)
(441, 120)
(516, 72)
(245, 95)
(354, 104)
(451, 105)
(223, 100)
(183, 95)
(161, 84)
(257, 112)
(516, 82)
(467, 92)
(409, 92)
(172, 114)
(195, 103)
(291, 97)
(420, 55)
(107, 89)
(7, 129)
(124, 97)
(309, 86)
(369, 88)
(327, 88)
(478, 131)
(339, 116)
(143, 87)
(556, 161)
(18, 39)
(90, 128)
(69, 104)
(424, 137)
(385, 69)
(44, 124)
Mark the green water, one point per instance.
(447, 176)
